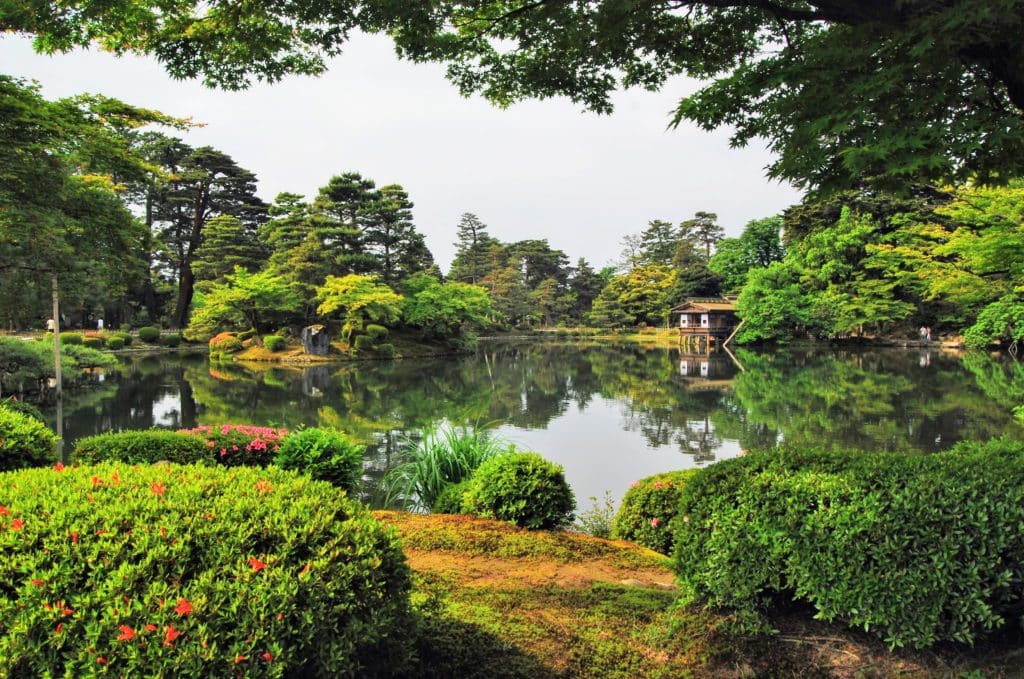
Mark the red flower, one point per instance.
(158, 488)
(16, 524)
(60, 626)
(240, 659)
(263, 486)
(59, 467)
(4, 511)
(256, 564)
(267, 656)
(183, 607)
(37, 582)
(150, 627)
(66, 611)
(101, 660)
(171, 635)
(163, 532)
(96, 481)
(127, 633)
(74, 538)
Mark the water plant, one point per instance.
(441, 455)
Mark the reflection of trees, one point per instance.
(1002, 381)
(883, 400)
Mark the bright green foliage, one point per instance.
(442, 455)
(1000, 321)
(522, 488)
(359, 299)
(917, 549)
(245, 301)
(227, 243)
(225, 343)
(71, 338)
(757, 247)
(442, 309)
(376, 332)
(649, 508)
(323, 454)
(211, 572)
(363, 343)
(24, 441)
(149, 334)
(451, 498)
(772, 305)
(599, 519)
(142, 447)
(93, 342)
(640, 297)
(24, 365)
(86, 357)
(23, 407)
(273, 342)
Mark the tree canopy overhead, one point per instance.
(888, 90)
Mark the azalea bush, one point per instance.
(324, 454)
(522, 488)
(648, 509)
(24, 441)
(152, 445)
(224, 343)
(917, 549)
(195, 571)
(240, 444)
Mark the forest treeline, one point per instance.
(137, 227)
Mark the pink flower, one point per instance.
(655, 522)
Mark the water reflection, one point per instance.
(609, 413)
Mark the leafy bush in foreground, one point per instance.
(648, 509)
(918, 549)
(153, 445)
(523, 488)
(24, 442)
(195, 571)
(324, 454)
(23, 407)
(451, 499)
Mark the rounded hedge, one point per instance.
(273, 342)
(523, 488)
(23, 407)
(225, 342)
(94, 342)
(648, 509)
(114, 343)
(363, 343)
(149, 334)
(387, 350)
(153, 445)
(376, 333)
(24, 441)
(171, 339)
(452, 498)
(917, 549)
(126, 337)
(324, 454)
(195, 571)
(71, 338)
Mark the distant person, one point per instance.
(49, 325)
(928, 334)
(99, 324)
(923, 333)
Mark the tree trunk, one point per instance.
(187, 279)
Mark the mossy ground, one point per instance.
(500, 601)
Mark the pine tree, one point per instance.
(339, 204)
(390, 236)
(703, 229)
(658, 243)
(470, 263)
(227, 243)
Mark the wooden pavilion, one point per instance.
(706, 323)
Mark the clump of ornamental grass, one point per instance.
(442, 455)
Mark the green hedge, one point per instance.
(147, 446)
(917, 549)
(363, 343)
(648, 509)
(324, 454)
(149, 334)
(93, 342)
(171, 339)
(195, 571)
(451, 500)
(116, 342)
(23, 407)
(24, 442)
(523, 488)
(71, 338)
(376, 333)
(386, 350)
(273, 342)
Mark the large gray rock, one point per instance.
(315, 340)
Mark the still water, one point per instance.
(610, 414)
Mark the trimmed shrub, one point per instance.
(376, 333)
(71, 338)
(126, 337)
(24, 442)
(171, 339)
(451, 499)
(324, 454)
(225, 343)
(147, 446)
(386, 350)
(363, 343)
(114, 343)
(93, 342)
(149, 334)
(23, 407)
(273, 342)
(917, 549)
(195, 571)
(239, 444)
(86, 357)
(523, 488)
(648, 509)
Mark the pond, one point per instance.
(610, 413)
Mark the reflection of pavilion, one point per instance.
(707, 371)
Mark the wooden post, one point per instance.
(58, 382)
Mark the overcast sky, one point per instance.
(541, 169)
